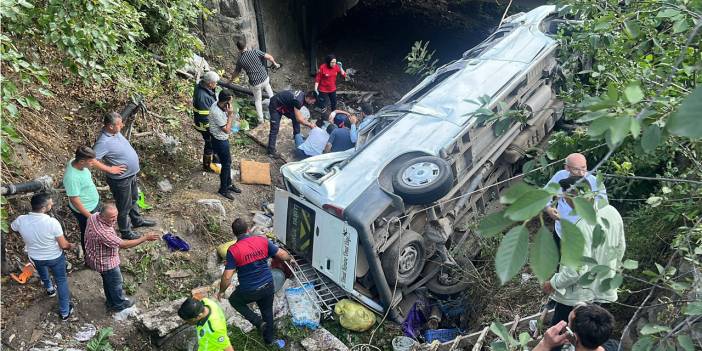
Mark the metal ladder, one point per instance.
(325, 292)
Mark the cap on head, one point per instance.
(210, 77)
(340, 119)
(190, 308)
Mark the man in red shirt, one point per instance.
(249, 258)
(102, 246)
(325, 81)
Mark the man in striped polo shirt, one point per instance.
(251, 61)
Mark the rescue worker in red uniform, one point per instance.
(249, 258)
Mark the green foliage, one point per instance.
(631, 80)
(419, 60)
(512, 253)
(500, 118)
(101, 341)
(543, 258)
(100, 42)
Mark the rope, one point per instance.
(500, 182)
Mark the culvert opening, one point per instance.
(375, 36)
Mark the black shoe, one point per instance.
(70, 312)
(130, 235)
(226, 194)
(234, 189)
(144, 223)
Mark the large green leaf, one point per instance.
(501, 331)
(685, 341)
(633, 93)
(598, 236)
(687, 121)
(651, 137)
(514, 192)
(650, 329)
(644, 343)
(512, 253)
(584, 209)
(528, 205)
(572, 244)
(494, 224)
(543, 257)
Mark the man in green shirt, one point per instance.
(210, 324)
(83, 196)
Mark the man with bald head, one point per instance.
(575, 166)
(102, 246)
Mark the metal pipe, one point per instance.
(357, 215)
(43, 183)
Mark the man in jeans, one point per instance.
(83, 197)
(249, 256)
(119, 160)
(45, 242)
(102, 246)
(251, 61)
(221, 120)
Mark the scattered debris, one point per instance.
(304, 308)
(322, 340)
(354, 316)
(86, 332)
(179, 273)
(170, 143)
(262, 220)
(126, 313)
(165, 185)
(214, 204)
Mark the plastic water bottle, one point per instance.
(235, 127)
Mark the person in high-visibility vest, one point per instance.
(210, 324)
(203, 98)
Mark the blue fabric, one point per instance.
(255, 274)
(112, 284)
(355, 129)
(340, 140)
(58, 269)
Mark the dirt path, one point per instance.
(29, 317)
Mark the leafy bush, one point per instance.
(419, 60)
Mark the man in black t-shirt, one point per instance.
(288, 103)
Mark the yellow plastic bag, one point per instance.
(222, 249)
(354, 316)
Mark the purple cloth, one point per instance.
(414, 322)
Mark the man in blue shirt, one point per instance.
(249, 256)
(575, 166)
(340, 138)
(365, 119)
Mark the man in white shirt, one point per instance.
(576, 166)
(315, 142)
(45, 242)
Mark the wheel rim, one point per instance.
(408, 259)
(421, 174)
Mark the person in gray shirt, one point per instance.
(221, 121)
(118, 159)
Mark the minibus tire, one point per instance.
(423, 191)
(389, 260)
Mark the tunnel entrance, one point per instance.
(375, 36)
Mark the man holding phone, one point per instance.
(221, 120)
(589, 327)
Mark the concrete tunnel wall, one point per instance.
(289, 28)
